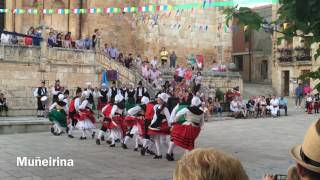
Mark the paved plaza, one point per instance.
(262, 145)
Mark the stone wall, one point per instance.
(199, 31)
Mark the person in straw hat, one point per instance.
(307, 155)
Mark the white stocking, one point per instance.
(157, 142)
(171, 147)
(163, 140)
(70, 129)
(126, 140)
(100, 134)
(83, 133)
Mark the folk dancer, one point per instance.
(58, 115)
(113, 91)
(129, 97)
(135, 123)
(90, 90)
(116, 126)
(105, 121)
(56, 90)
(185, 133)
(86, 119)
(140, 92)
(102, 95)
(159, 125)
(73, 110)
(42, 96)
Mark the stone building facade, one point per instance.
(290, 60)
(252, 50)
(198, 31)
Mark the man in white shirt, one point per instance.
(180, 73)
(5, 38)
(274, 106)
(154, 62)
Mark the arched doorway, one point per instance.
(2, 6)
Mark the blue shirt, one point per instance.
(299, 91)
(283, 101)
(87, 43)
(113, 52)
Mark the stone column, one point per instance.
(18, 17)
(74, 21)
(43, 50)
(9, 17)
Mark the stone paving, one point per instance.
(262, 145)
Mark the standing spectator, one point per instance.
(307, 89)
(79, 44)
(180, 73)
(145, 71)
(200, 61)
(113, 53)
(299, 95)
(67, 40)
(96, 39)
(192, 61)
(106, 49)
(36, 39)
(316, 103)
(154, 75)
(173, 60)
(154, 62)
(188, 76)
(59, 40)
(87, 42)
(3, 105)
(52, 40)
(283, 104)
(138, 60)
(164, 56)
(197, 82)
(5, 38)
(128, 60)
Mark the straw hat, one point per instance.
(308, 154)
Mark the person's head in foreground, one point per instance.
(209, 164)
(307, 155)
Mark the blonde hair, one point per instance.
(209, 164)
(293, 173)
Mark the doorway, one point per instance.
(2, 6)
(264, 70)
(285, 80)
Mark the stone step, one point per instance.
(27, 124)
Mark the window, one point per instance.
(238, 61)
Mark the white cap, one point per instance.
(61, 97)
(88, 83)
(164, 97)
(144, 100)
(85, 94)
(195, 101)
(104, 85)
(118, 98)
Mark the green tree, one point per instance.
(295, 18)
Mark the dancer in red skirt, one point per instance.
(185, 134)
(159, 124)
(85, 117)
(116, 126)
(106, 110)
(135, 124)
(73, 110)
(102, 95)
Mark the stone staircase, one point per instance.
(126, 75)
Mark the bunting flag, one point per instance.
(3, 10)
(47, 11)
(32, 11)
(148, 8)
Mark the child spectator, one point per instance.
(309, 104)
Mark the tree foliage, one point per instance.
(295, 18)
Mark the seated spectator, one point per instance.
(154, 62)
(120, 58)
(146, 60)
(217, 107)
(87, 43)
(59, 40)
(292, 174)
(138, 60)
(3, 105)
(154, 74)
(263, 106)
(209, 164)
(67, 41)
(309, 103)
(210, 105)
(5, 38)
(274, 106)
(243, 107)
(36, 37)
(235, 108)
(283, 104)
(79, 44)
(14, 39)
(251, 104)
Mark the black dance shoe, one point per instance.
(93, 135)
(157, 157)
(98, 142)
(124, 146)
(135, 149)
(112, 145)
(67, 130)
(150, 152)
(117, 140)
(70, 136)
(102, 138)
(169, 157)
(140, 145)
(83, 138)
(143, 151)
(108, 142)
(52, 130)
